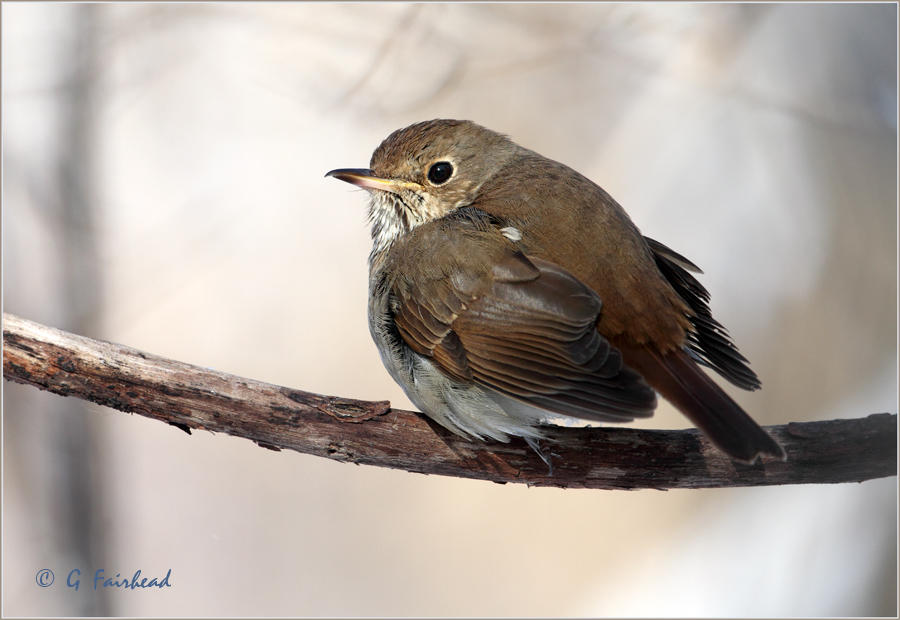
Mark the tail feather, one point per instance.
(684, 384)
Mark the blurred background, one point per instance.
(163, 188)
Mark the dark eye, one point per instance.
(440, 172)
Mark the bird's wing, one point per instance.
(709, 342)
(515, 324)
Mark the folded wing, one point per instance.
(520, 326)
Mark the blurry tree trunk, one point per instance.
(82, 493)
(68, 502)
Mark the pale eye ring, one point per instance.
(440, 172)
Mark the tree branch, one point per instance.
(191, 397)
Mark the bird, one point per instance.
(507, 291)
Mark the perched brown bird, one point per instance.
(506, 288)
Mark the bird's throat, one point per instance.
(389, 219)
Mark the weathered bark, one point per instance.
(371, 433)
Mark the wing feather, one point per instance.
(519, 326)
(709, 342)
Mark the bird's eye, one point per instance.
(440, 172)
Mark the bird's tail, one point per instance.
(684, 384)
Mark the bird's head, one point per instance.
(425, 171)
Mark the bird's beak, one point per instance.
(365, 178)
